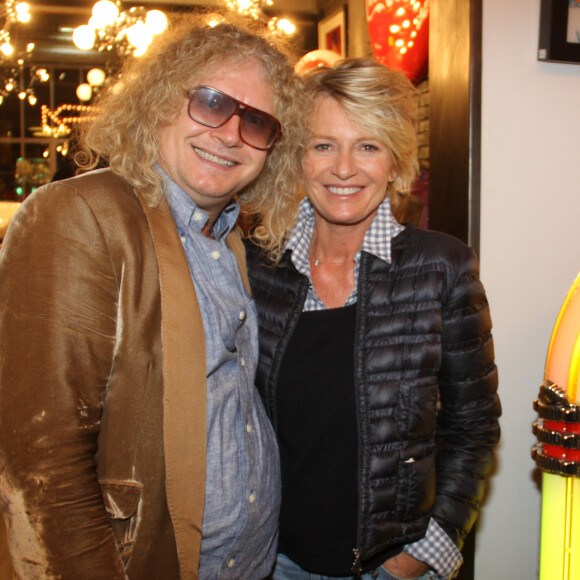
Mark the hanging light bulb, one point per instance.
(96, 77)
(84, 92)
(84, 37)
(22, 12)
(6, 48)
(104, 13)
(156, 21)
(139, 36)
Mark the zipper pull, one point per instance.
(356, 567)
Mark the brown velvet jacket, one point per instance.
(102, 387)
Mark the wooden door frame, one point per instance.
(455, 56)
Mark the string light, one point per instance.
(12, 12)
(57, 126)
(22, 78)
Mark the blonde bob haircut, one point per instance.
(382, 102)
(152, 90)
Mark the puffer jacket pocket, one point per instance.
(122, 502)
(418, 407)
(416, 482)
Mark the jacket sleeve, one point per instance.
(470, 408)
(59, 294)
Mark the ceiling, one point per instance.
(52, 22)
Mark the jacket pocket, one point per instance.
(416, 482)
(418, 407)
(122, 502)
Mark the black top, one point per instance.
(317, 433)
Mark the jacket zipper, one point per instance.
(356, 567)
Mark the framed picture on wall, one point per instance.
(559, 31)
(332, 33)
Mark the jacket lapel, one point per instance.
(184, 390)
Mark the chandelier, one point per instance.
(128, 32)
(255, 9)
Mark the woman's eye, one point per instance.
(369, 147)
(322, 146)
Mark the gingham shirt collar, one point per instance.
(377, 241)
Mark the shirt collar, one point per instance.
(189, 217)
(377, 240)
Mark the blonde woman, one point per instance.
(376, 363)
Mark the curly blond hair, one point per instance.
(380, 100)
(149, 95)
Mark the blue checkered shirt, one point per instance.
(436, 549)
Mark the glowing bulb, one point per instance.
(139, 36)
(9, 85)
(214, 21)
(96, 77)
(286, 26)
(394, 28)
(32, 99)
(84, 92)
(22, 95)
(43, 74)
(7, 49)
(22, 14)
(84, 37)
(156, 21)
(400, 12)
(244, 5)
(104, 13)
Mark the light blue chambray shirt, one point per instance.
(242, 499)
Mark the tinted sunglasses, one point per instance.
(213, 108)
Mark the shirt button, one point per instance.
(249, 428)
(182, 239)
(231, 563)
(243, 315)
(215, 255)
(197, 216)
(252, 498)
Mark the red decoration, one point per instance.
(399, 32)
(316, 59)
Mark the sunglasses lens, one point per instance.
(259, 129)
(213, 108)
(210, 107)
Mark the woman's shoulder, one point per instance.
(431, 243)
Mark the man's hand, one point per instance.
(404, 566)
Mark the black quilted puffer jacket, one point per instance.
(426, 382)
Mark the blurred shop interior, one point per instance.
(56, 55)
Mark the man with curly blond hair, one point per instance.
(133, 443)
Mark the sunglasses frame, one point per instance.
(240, 110)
